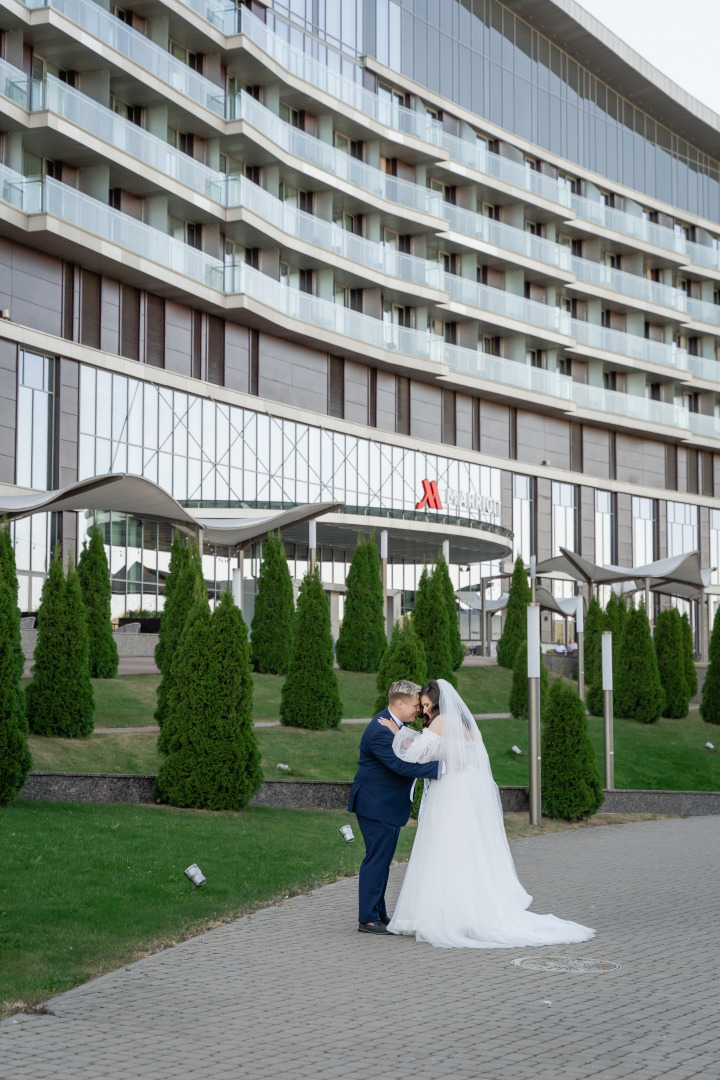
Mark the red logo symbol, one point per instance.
(431, 496)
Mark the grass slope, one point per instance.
(670, 754)
(129, 700)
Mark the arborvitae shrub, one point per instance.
(519, 690)
(213, 758)
(60, 696)
(594, 626)
(637, 691)
(404, 659)
(15, 759)
(710, 704)
(362, 642)
(175, 614)
(310, 696)
(669, 649)
(431, 620)
(274, 617)
(179, 559)
(515, 629)
(571, 787)
(8, 573)
(94, 577)
(689, 652)
(457, 650)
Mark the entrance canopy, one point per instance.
(142, 498)
(680, 575)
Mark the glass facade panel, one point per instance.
(715, 546)
(682, 527)
(35, 410)
(524, 516)
(644, 530)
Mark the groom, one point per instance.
(380, 797)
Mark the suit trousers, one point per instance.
(380, 842)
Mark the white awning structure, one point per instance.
(142, 498)
(565, 606)
(680, 575)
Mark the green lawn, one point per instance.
(129, 700)
(670, 754)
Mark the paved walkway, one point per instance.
(294, 991)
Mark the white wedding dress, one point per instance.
(460, 888)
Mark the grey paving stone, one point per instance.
(294, 991)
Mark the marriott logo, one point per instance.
(454, 499)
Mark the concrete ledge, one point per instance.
(128, 645)
(333, 794)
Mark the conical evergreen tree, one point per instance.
(457, 650)
(213, 758)
(515, 629)
(362, 642)
(8, 573)
(669, 649)
(60, 696)
(274, 618)
(689, 652)
(15, 759)
(571, 787)
(94, 577)
(310, 696)
(594, 626)
(637, 691)
(431, 620)
(710, 704)
(404, 658)
(175, 614)
(518, 705)
(179, 559)
(615, 615)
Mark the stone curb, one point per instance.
(333, 794)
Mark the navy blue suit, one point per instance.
(380, 797)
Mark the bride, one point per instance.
(460, 888)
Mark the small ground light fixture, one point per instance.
(709, 746)
(347, 834)
(282, 768)
(516, 750)
(195, 874)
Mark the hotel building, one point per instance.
(454, 264)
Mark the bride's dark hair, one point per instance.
(432, 691)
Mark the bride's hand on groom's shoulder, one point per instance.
(389, 725)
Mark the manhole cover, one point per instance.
(565, 963)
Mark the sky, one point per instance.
(679, 37)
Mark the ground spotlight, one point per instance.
(195, 874)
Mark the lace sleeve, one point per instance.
(417, 747)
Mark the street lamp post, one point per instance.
(533, 670)
(607, 684)
(579, 633)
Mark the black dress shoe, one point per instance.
(384, 919)
(373, 928)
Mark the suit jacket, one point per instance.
(381, 788)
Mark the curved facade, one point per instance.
(271, 254)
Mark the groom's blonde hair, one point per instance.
(403, 688)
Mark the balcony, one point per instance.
(501, 235)
(606, 277)
(91, 19)
(604, 339)
(507, 304)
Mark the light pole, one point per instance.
(607, 685)
(533, 670)
(579, 633)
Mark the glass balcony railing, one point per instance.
(607, 277)
(703, 310)
(329, 236)
(497, 232)
(469, 152)
(508, 304)
(640, 348)
(703, 254)
(328, 158)
(101, 24)
(297, 62)
(98, 220)
(704, 368)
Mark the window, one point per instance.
(605, 528)
(489, 211)
(35, 413)
(347, 297)
(448, 417)
(524, 516)
(535, 358)
(348, 145)
(289, 115)
(491, 345)
(533, 227)
(348, 222)
(564, 517)
(446, 190)
(187, 231)
(180, 52)
(231, 167)
(402, 405)
(395, 241)
(645, 530)
(181, 140)
(336, 387)
(127, 111)
(301, 200)
(682, 528)
(389, 93)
